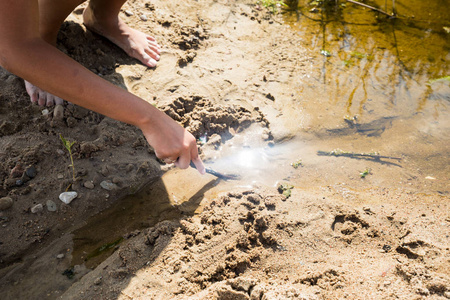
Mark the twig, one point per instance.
(338, 152)
(371, 7)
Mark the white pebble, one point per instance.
(67, 197)
(59, 256)
(37, 208)
(143, 17)
(45, 112)
(129, 13)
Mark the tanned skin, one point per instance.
(28, 31)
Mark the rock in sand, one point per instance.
(89, 185)
(67, 197)
(5, 203)
(51, 206)
(37, 208)
(58, 113)
(108, 185)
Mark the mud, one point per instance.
(231, 73)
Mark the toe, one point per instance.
(58, 100)
(148, 61)
(152, 54)
(150, 38)
(31, 90)
(155, 51)
(42, 98)
(50, 100)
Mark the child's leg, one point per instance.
(51, 15)
(102, 17)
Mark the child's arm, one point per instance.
(25, 54)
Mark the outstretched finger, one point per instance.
(197, 161)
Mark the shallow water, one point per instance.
(379, 83)
(376, 85)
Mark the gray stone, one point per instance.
(31, 171)
(51, 206)
(5, 203)
(108, 185)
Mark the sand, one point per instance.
(226, 67)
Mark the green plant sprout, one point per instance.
(68, 145)
(285, 189)
(441, 79)
(364, 173)
(272, 5)
(297, 163)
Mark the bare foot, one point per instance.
(41, 97)
(135, 43)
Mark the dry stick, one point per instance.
(371, 7)
(352, 154)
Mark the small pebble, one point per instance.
(51, 206)
(67, 197)
(60, 256)
(31, 171)
(129, 13)
(108, 185)
(58, 113)
(19, 182)
(60, 152)
(143, 17)
(60, 176)
(71, 122)
(89, 185)
(17, 171)
(5, 203)
(98, 280)
(37, 208)
(45, 112)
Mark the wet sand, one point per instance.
(237, 78)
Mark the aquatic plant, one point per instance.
(271, 5)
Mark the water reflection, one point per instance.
(374, 66)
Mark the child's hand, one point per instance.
(172, 143)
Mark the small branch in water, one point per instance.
(371, 7)
(339, 152)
